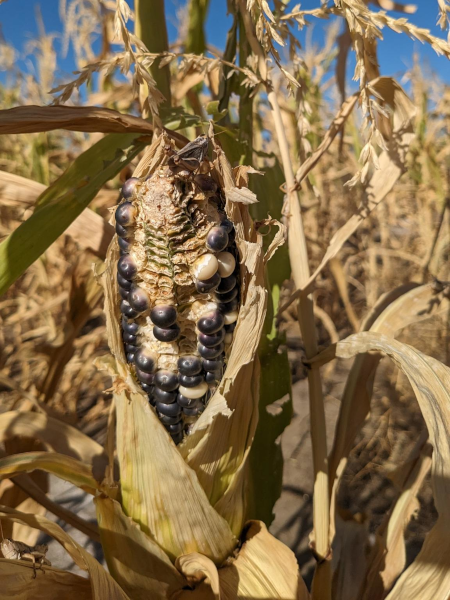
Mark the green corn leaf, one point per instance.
(63, 202)
(266, 459)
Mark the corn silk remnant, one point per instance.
(178, 284)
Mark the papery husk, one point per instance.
(135, 561)
(263, 569)
(102, 584)
(218, 450)
(428, 578)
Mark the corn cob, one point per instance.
(178, 279)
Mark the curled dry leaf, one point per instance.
(428, 577)
(263, 569)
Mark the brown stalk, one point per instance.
(298, 254)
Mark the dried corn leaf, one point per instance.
(428, 578)
(392, 164)
(102, 584)
(62, 202)
(56, 434)
(26, 483)
(135, 561)
(62, 466)
(388, 557)
(30, 119)
(349, 561)
(393, 312)
(18, 583)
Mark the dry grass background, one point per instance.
(52, 322)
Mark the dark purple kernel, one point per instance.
(177, 437)
(226, 307)
(169, 334)
(147, 388)
(227, 284)
(123, 293)
(124, 283)
(164, 397)
(130, 326)
(217, 239)
(127, 267)
(163, 315)
(168, 410)
(125, 213)
(212, 365)
(191, 412)
(187, 402)
(147, 378)
(189, 365)
(207, 285)
(130, 357)
(166, 380)
(126, 309)
(213, 376)
(138, 299)
(211, 340)
(190, 382)
(210, 323)
(231, 237)
(122, 231)
(176, 428)
(230, 328)
(227, 296)
(128, 187)
(124, 244)
(145, 360)
(122, 252)
(129, 338)
(130, 349)
(169, 420)
(210, 352)
(227, 225)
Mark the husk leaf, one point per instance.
(135, 561)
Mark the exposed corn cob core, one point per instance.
(178, 282)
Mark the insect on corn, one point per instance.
(178, 281)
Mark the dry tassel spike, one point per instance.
(178, 282)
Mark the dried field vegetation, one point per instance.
(371, 171)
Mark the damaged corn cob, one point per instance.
(178, 279)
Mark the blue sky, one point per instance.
(18, 23)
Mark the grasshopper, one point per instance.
(13, 550)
